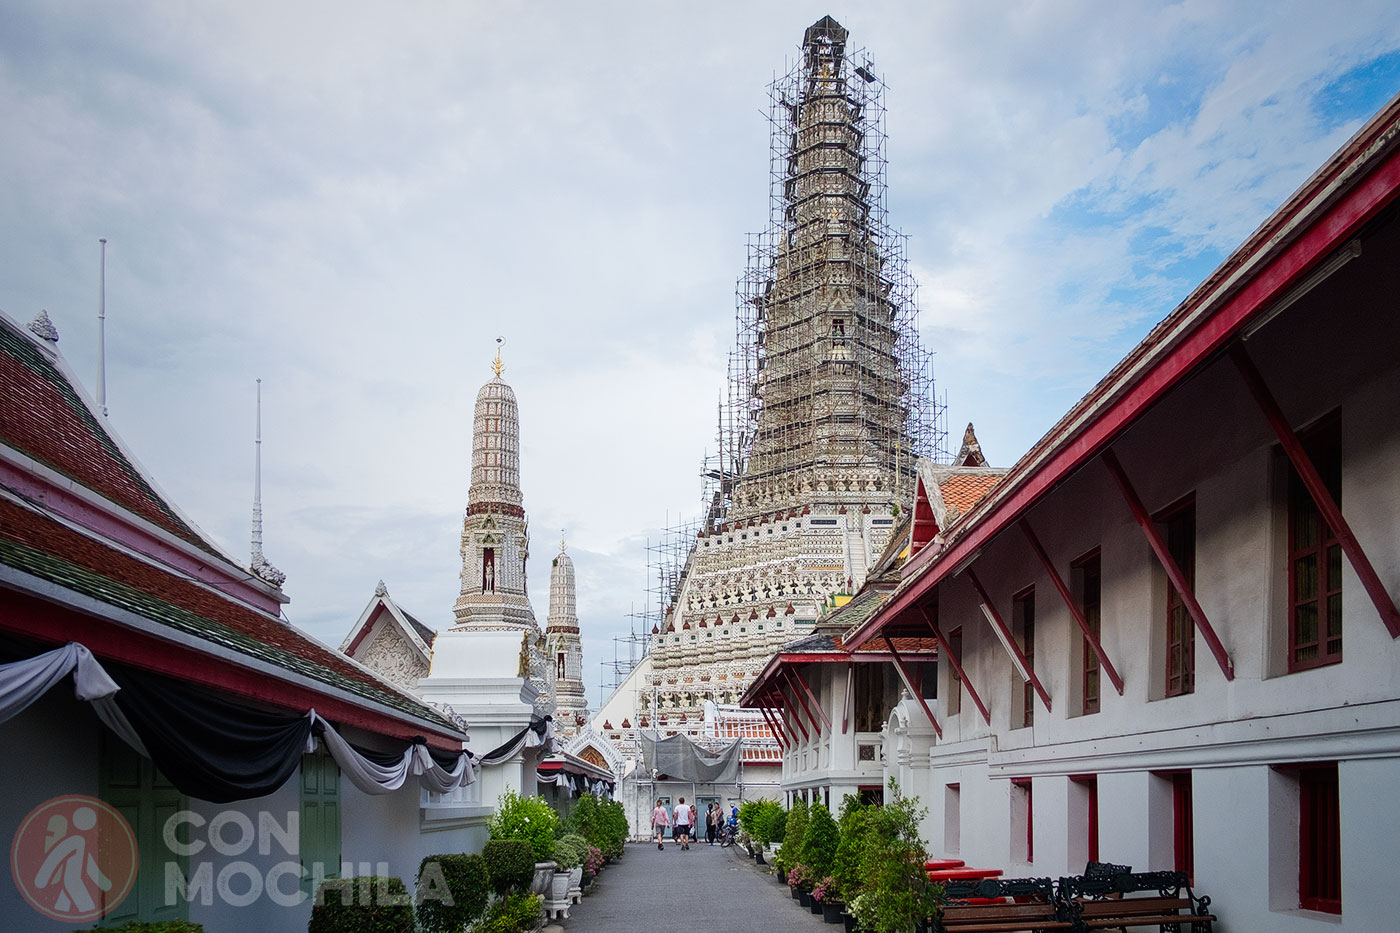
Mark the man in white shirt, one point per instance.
(685, 819)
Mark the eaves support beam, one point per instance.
(773, 728)
(1174, 575)
(1089, 637)
(802, 682)
(850, 690)
(797, 719)
(779, 706)
(1003, 633)
(793, 682)
(947, 649)
(915, 692)
(1317, 489)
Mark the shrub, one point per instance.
(362, 905)
(163, 926)
(586, 819)
(613, 829)
(570, 850)
(593, 861)
(514, 914)
(819, 841)
(510, 864)
(895, 890)
(777, 827)
(528, 818)
(826, 891)
(456, 897)
(791, 853)
(845, 865)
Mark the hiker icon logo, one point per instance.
(74, 858)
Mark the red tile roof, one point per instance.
(46, 419)
(962, 491)
(38, 545)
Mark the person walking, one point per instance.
(685, 819)
(712, 822)
(660, 822)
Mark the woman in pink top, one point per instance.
(660, 822)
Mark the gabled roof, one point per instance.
(46, 417)
(381, 604)
(90, 551)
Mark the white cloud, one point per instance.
(353, 202)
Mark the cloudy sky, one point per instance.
(353, 200)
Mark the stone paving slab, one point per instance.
(703, 890)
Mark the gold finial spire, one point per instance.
(497, 366)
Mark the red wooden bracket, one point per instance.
(1007, 642)
(1331, 512)
(792, 682)
(850, 689)
(802, 682)
(909, 683)
(1063, 590)
(780, 711)
(947, 649)
(773, 728)
(1164, 557)
(791, 707)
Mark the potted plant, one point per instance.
(532, 820)
(568, 856)
(798, 881)
(825, 894)
(896, 893)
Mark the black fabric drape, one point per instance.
(208, 746)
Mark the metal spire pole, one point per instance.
(102, 330)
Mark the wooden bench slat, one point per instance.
(1008, 928)
(1134, 920)
(1135, 905)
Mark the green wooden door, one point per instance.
(320, 820)
(136, 788)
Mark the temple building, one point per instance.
(563, 647)
(830, 407)
(495, 545)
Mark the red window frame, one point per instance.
(1315, 557)
(1180, 531)
(1183, 824)
(1024, 609)
(1090, 572)
(1319, 838)
(1090, 783)
(1025, 785)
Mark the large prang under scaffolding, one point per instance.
(830, 402)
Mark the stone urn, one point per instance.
(557, 899)
(576, 884)
(544, 873)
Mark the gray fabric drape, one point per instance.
(682, 760)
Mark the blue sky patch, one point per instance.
(1358, 93)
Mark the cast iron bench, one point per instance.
(1032, 906)
(1104, 901)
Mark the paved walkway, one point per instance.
(706, 888)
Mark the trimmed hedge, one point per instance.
(819, 841)
(570, 851)
(510, 864)
(164, 926)
(613, 828)
(451, 892)
(362, 905)
(515, 914)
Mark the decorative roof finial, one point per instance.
(381, 589)
(43, 328)
(497, 366)
(563, 542)
(260, 567)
